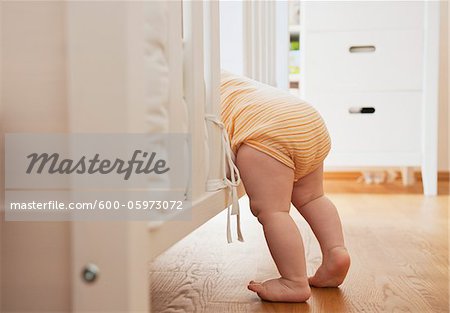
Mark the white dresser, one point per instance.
(371, 69)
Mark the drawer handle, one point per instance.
(361, 110)
(361, 49)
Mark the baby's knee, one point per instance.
(262, 210)
(301, 197)
(256, 208)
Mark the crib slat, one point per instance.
(281, 43)
(259, 40)
(178, 122)
(194, 90)
(257, 33)
(271, 59)
(212, 83)
(247, 38)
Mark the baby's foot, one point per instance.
(282, 290)
(333, 270)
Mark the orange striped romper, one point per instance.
(274, 122)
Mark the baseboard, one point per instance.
(353, 175)
(341, 175)
(442, 175)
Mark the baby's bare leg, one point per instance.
(322, 216)
(269, 186)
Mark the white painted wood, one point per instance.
(270, 10)
(255, 35)
(263, 39)
(123, 266)
(408, 177)
(2, 169)
(304, 35)
(194, 90)
(259, 38)
(232, 36)
(372, 133)
(399, 79)
(247, 25)
(205, 205)
(112, 67)
(282, 44)
(212, 86)
(430, 98)
(108, 73)
(203, 209)
(272, 56)
(362, 15)
(394, 65)
(177, 110)
(178, 114)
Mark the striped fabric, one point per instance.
(274, 122)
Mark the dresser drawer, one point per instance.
(386, 122)
(363, 15)
(364, 61)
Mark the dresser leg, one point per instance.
(408, 176)
(429, 180)
(430, 98)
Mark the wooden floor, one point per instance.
(398, 243)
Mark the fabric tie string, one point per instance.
(231, 183)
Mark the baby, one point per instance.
(280, 143)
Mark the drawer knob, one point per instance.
(362, 49)
(361, 110)
(90, 273)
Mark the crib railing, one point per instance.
(159, 61)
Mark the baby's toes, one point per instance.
(255, 287)
(255, 282)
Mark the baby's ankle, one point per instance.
(300, 285)
(337, 257)
(335, 250)
(295, 281)
(334, 268)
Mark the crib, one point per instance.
(162, 62)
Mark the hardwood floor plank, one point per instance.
(398, 244)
